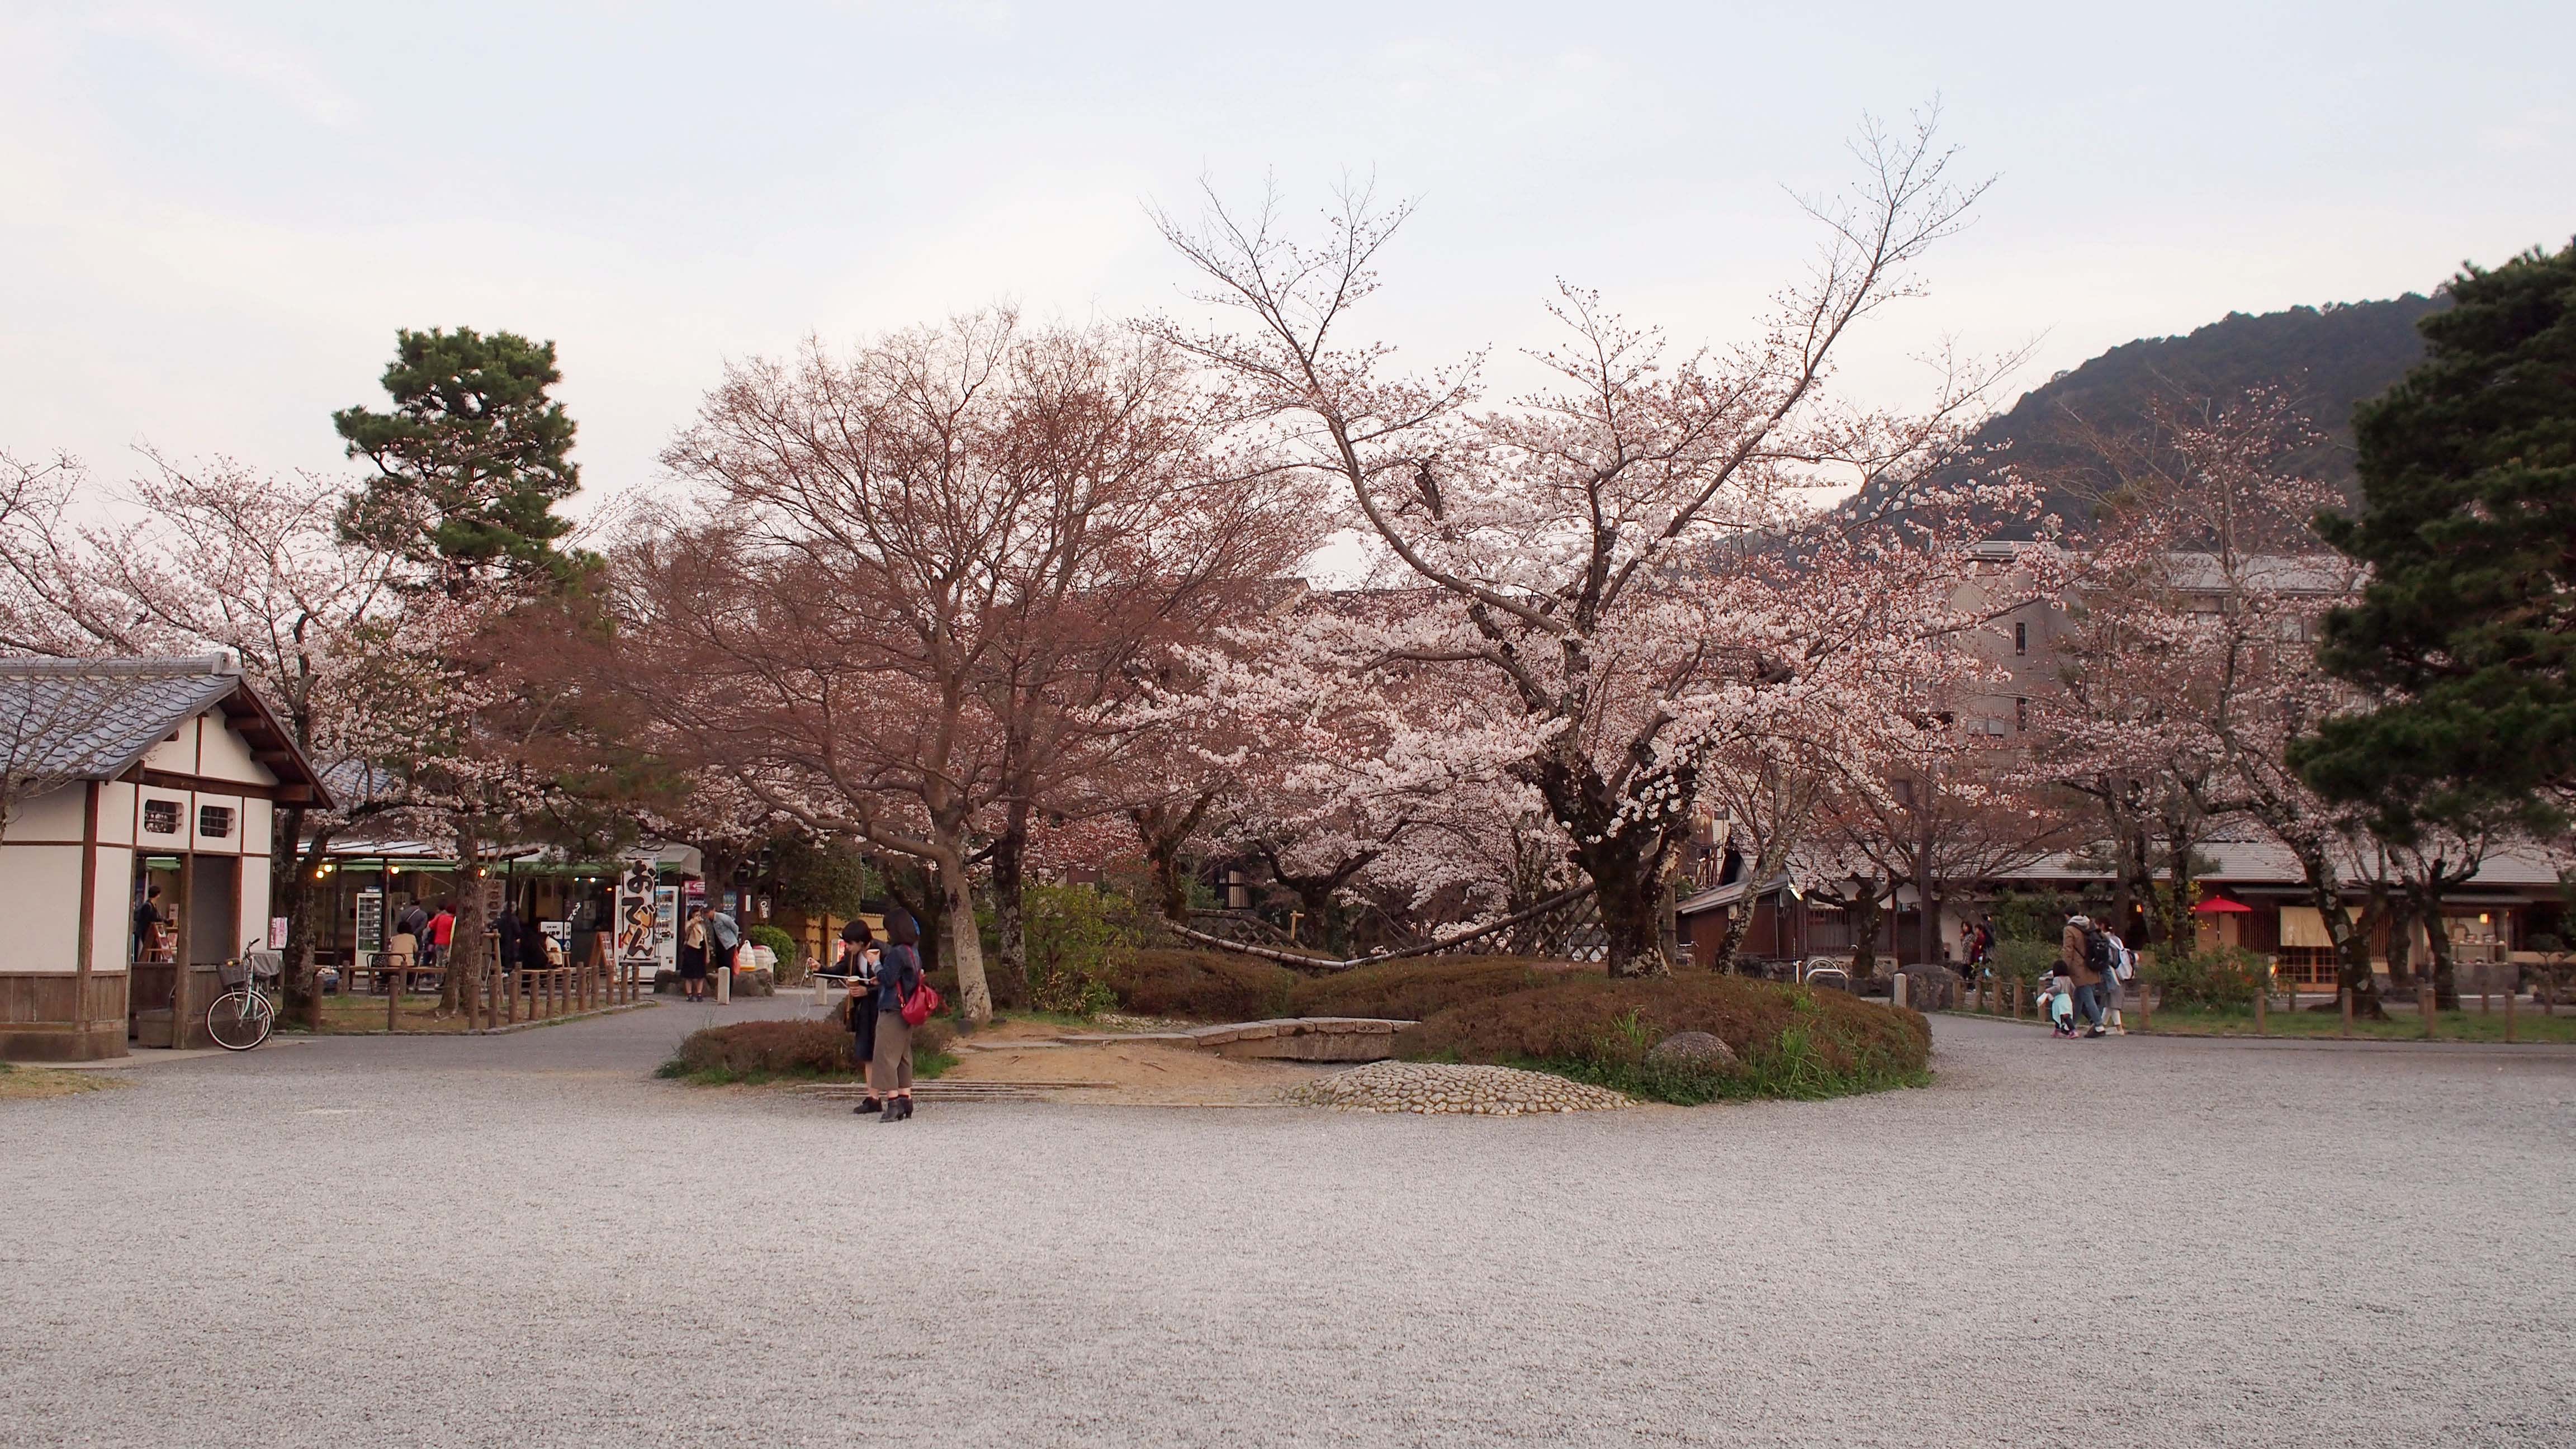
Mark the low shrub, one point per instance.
(791, 957)
(1079, 940)
(765, 1048)
(1412, 990)
(1204, 985)
(760, 1051)
(2222, 979)
(2023, 961)
(1788, 1041)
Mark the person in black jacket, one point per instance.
(898, 977)
(859, 1007)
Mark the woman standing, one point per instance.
(859, 962)
(693, 955)
(898, 977)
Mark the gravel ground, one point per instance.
(524, 1241)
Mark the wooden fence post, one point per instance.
(510, 995)
(393, 997)
(2263, 1005)
(2425, 1002)
(2508, 1011)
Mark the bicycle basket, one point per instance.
(265, 965)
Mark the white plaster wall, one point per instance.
(40, 901)
(113, 916)
(177, 754)
(229, 843)
(54, 815)
(259, 818)
(226, 755)
(116, 812)
(254, 898)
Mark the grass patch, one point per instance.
(27, 1084)
(1789, 1041)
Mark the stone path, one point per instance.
(523, 1240)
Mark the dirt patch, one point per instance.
(1137, 1073)
(24, 1084)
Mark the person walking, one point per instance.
(509, 935)
(149, 939)
(2078, 953)
(898, 977)
(860, 962)
(693, 954)
(442, 935)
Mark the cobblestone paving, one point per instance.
(526, 1241)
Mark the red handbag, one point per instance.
(920, 1004)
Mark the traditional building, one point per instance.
(132, 782)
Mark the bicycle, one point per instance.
(243, 1016)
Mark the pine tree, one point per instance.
(2467, 629)
(471, 460)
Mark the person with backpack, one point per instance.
(2123, 969)
(2083, 950)
(904, 1001)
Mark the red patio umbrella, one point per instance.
(2218, 906)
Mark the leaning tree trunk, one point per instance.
(1010, 978)
(962, 939)
(2400, 917)
(2437, 938)
(1865, 916)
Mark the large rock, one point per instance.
(1694, 1049)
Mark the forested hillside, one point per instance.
(2325, 360)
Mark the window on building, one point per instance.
(2021, 638)
(2021, 713)
(160, 817)
(215, 821)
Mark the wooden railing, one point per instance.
(498, 997)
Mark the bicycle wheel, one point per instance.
(240, 1019)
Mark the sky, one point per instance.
(214, 217)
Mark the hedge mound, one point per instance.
(1788, 1041)
(1414, 990)
(1204, 986)
(1221, 986)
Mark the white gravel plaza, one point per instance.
(524, 1240)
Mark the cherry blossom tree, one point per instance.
(1629, 565)
(925, 584)
(217, 555)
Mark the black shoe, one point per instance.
(2097, 1031)
(870, 1105)
(903, 1107)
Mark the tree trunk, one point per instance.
(1630, 901)
(1010, 978)
(1927, 909)
(465, 937)
(1865, 918)
(2437, 936)
(963, 938)
(2400, 917)
(294, 894)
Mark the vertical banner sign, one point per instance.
(636, 910)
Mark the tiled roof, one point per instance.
(91, 719)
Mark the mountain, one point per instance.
(2324, 360)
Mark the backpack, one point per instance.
(2127, 959)
(920, 1004)
(2097, 951)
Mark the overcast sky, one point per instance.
(213, 217)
